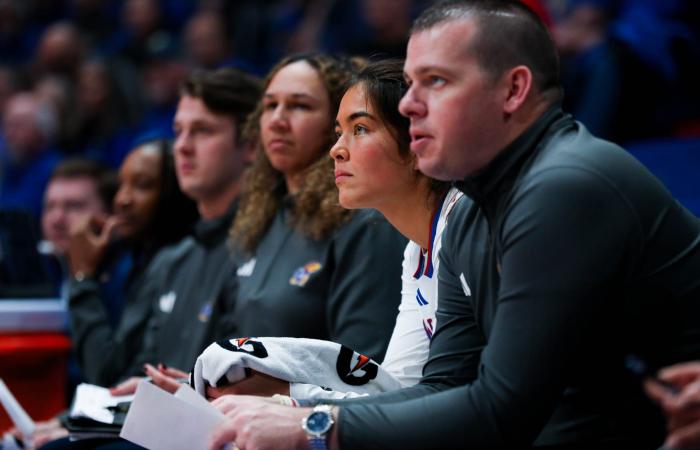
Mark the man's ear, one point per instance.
(519, 83)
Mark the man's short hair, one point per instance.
(225, 91)
(105, 178)
(508, 34)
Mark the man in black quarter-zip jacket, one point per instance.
(572, 261)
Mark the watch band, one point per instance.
(317, 437)
(318, 443)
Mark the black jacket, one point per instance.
(192, 287)
(571, 258)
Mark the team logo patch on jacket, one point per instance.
(301, 276)
(247, 268)
(205, 313)
(245, 345)
(355, 369)
(166, 302)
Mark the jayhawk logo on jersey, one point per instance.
(355, 369)
(301, 276)
(245, 345)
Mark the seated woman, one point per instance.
(307, 268)
(150, 212)
(107, 257)
(374, 168)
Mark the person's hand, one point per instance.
(257, 423)
(89, 238)
(227, 403)
(255, 383)
(166, 378)
(126, 387)
(45, 431)
(680, 405)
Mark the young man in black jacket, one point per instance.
(192, 282)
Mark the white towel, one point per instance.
(297, 360)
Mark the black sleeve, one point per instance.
(145, 351)
(225, 327)
(104, 353)
(365, 288)
(556, 258)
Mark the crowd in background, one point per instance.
(100, 79)
(95, 77)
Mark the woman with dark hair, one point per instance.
(150, 212)
(308, 267)
(374, 168)
(107, 258)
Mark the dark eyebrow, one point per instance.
(295, 96)
(358, 114)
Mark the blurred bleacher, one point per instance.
(676, 161)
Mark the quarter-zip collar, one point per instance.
(213, 231)
(488, 184)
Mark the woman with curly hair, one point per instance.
(308, 267)
(374, 168)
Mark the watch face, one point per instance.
(318, 422)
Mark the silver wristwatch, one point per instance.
(317, 425)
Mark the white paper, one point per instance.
(19, 416)
(92, 401)
(158, 420)
(188, 395)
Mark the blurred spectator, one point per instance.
(8, 85)
(103, 115)
(17, 36)
(605, 45)
(246, 21)
(78, 188)
(208, 44)
(206, 41)
(377, 27)
(613, 50)
(295, 26)
(27, 156)
(140, 25)
(58, 93)
(60, 51)
(94, 19)
(162, 76)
